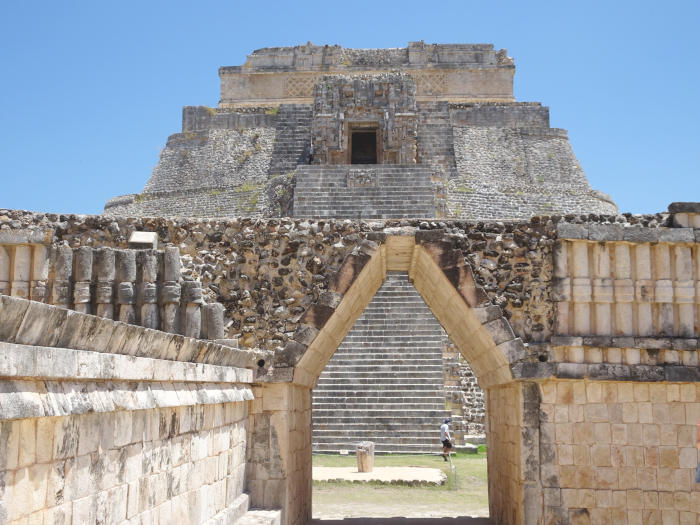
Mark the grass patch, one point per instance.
(469, 498)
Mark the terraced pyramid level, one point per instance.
(385, 381)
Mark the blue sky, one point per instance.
(91, 90)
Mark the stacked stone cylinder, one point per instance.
(141, 287)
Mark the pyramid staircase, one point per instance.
(293, 138)
(434, 138)
(385, 381)
(392, 191)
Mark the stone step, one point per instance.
(363, 418)
(400, 433)
(362, 404)
(261, 517)
(419, 448)
(336, 383)
(386, 378)
(388, 437)
(388, 394)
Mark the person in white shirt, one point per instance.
(445, 438)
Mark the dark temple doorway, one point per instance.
(364, 147)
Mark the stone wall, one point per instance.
(206, 173)
(616, 281)
(267, 272)
(518, 172)
(278, 472)
(622, 452)
(497, 288)
(101, 421)
(462, 72)
(504, 449)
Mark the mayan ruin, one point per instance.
(354, 245)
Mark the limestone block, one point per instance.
(21, 271)
(172, 264)
(213, 320)
(41, 325)
(143, 240)
(40, 272)
(4, 271)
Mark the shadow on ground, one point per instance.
(461, 520)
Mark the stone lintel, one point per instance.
(618, 232)
(27, 236)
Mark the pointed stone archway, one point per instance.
(279, 467)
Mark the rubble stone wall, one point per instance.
(518, 172)
(267, 272)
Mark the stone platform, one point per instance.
(388, 475)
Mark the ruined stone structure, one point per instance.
(138, 384)
(326, 132)
(438, 123)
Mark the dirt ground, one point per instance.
(344, 503)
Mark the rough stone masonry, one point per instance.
(141, 384)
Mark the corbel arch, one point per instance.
(446, 283)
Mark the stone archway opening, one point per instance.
(483, 336)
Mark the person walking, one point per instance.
(445, 438)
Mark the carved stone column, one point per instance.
(643, 290)
(562, 287)
(684, 291)
(581, 288)
(82, 278)
(171, 290)
(663, 289)
(4, 271)
(21, 271)
(192, 303)
(624, 291)
(63, 264)
(213, 321)
(148, 290)
(126, 275)
(104, 261)
(602, 289)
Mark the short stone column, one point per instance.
(213, 321)
(581, 288)
(663, 290)
(21, 271)
(4, 271)
(643, 290)
(171, 292)
(623, 290)
(82, 277)
(126, 275)
(40, 274)
(148, 289)
(192, 311)
(562, 288)
(602, 290)
(365, 456)
(105, 270)
(684, 291)
(63, 269)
